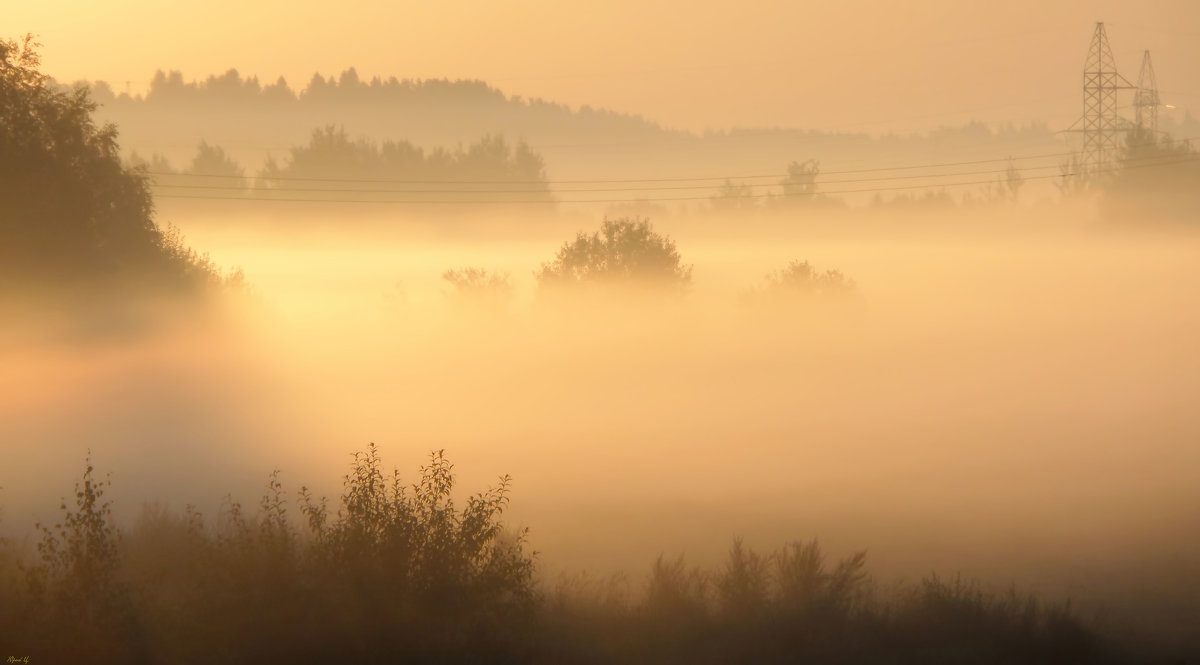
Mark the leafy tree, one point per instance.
(800, 188)
(622, 252)
(212, 160)
(71, 214)
(800, 185)
(733, 197)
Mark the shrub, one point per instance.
(479, 288)
(800, 281)
(75, 586)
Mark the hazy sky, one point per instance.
(869, 65)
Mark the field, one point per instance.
(1011, 402)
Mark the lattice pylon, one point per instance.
(1100, 124)
(1146, 100)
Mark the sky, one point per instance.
(862, 65)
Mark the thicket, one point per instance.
(403, 573)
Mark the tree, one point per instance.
(1007, 188)
(212, 160)
(800, 281)
(1013, 180)
(623, 252)
(733, 197)
(800, 185)
(71, 214)
(800, 189)
(1074, 178)
(158, 164)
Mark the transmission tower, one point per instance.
(1100, 124)
(1146, 101)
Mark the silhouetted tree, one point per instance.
(1006, 188)
(71, 214)
(800, 185)
(800, 189)
(211, 160)
(734, 197)
(622, 252)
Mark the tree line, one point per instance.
(333, 164)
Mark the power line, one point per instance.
(565, 191)
(675, 140)
(613, 189)
(655, 199)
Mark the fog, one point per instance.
(887, 302)
(1012, 399)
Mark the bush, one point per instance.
(76, 581)
(799, 281)
(479, 288)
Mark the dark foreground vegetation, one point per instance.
(400, 572)
(74, 221)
